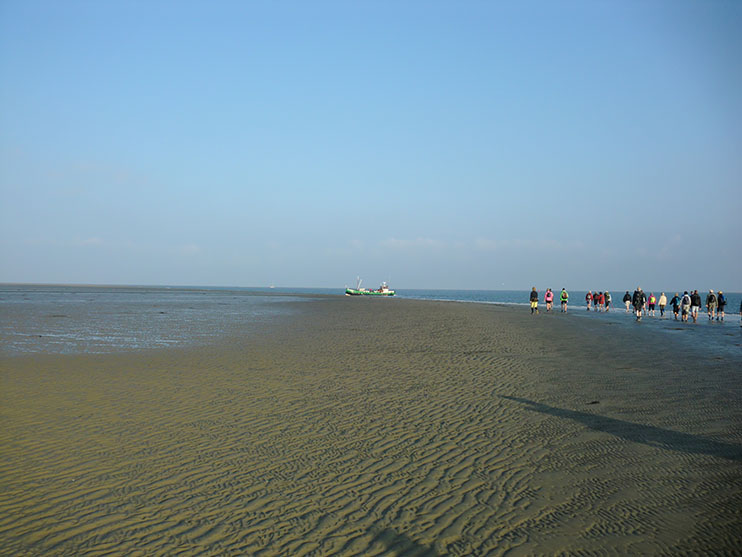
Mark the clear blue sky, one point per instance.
(436, 144)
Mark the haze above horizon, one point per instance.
(442, 145)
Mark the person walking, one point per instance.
(549, 299)
(608, 301)
(564, 298)
(685, 306)
(722, 301)
(695, 305)
(638, 300)
(675, 303)
(534, 300)
(652, 302)
(588, 299)
(711, 303)
(627, 300)
(663, 303)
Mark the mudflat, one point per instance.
(378, 427)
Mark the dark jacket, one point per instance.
(639, 298)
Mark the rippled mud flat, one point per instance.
(376, 427)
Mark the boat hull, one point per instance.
(354, 292)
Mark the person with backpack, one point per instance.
(627, 300)
(588, 299)
(675, 303)
(722, 301)
(608, 301)
(695, 305)
(638, 300)
(564, 298)
(652, 302)
(711, 305)
(685, 306)
(549, 299)
(534, 300)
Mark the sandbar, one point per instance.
(377, 427)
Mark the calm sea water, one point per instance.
(75, 319)
(72, 319)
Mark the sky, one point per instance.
(459, 144)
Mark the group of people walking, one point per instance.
(600, 301)
(687, 305)
(549, 300)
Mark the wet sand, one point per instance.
(378, 427)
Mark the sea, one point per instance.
(107, 319)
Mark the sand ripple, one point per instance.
(398, 428)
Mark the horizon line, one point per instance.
(271, 287)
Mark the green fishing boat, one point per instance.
(383, 290)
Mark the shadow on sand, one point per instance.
(639, 433)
